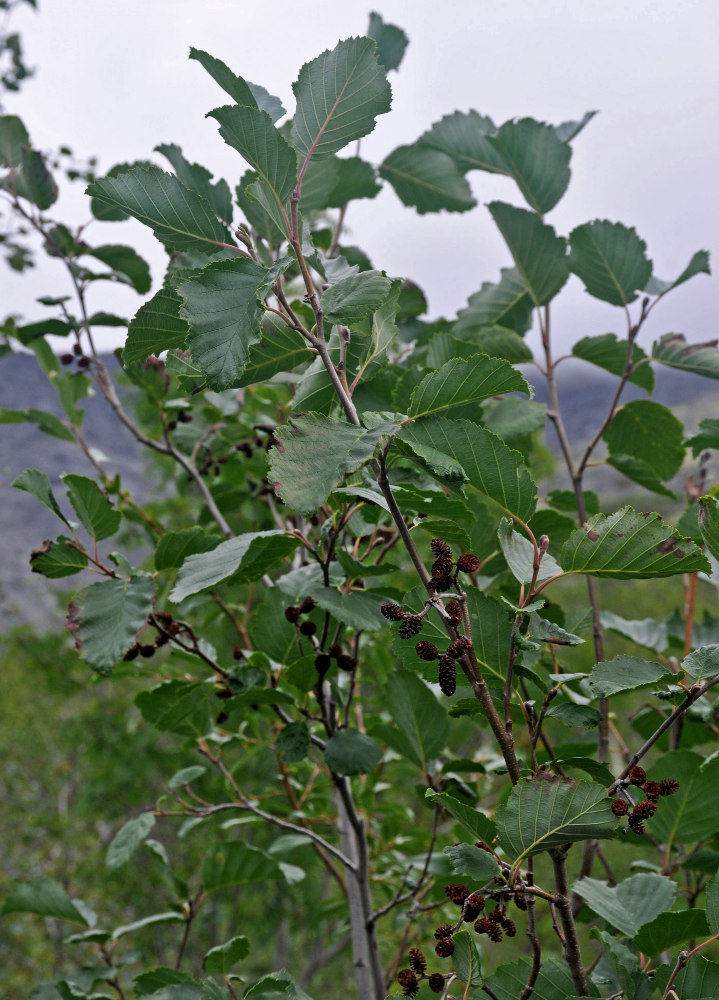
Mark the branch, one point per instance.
(570, 947)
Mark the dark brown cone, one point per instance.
(322, 663)
(636, 824)
(440, 549)
(652, 789)
(426, 650)
(476, 900)
(495, 932)
(410, 627)
(454, 610)
(444, 948)
(456, 892)
(620, 807)
(408, 981)
(417, 961)
(669, 786)
(442, 567)
(447, 676)
(334, 650)
(468, 563)
(483, 925)
(307, 605)
(643, 810)
(436, 982)
(637, 776)
(459, 647)
(308, 628)
(346, 662)
(441, 583)
(292, 614)
(393, 612)
(443, 931)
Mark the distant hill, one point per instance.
(24, 523)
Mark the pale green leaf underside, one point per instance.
(460, 382)
(701, 359)
(631, 904)
(708, 523)
(243, 558)
(611, 261)
(630, 545)
(626, 673)
(106, 617)
(339, 95)
(546, 812)
(427, 179)
(702, 663)
(179, 218)
(486, 461)
(699, 264)
(539, 254)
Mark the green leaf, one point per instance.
(514, 418)
(237, 863)
(128, 838)
(350, 752)
(127, 263)
(670, 929)
(253, 135)
(684, 816)
(280, 349)
(479, 825)
(355, 179)
(423, 726)
(548, 811)
(646, 632)
(630, 545)
(221, 959)
(699, 264)
(545, 631)
(240, 559)
(459, 383)
(708, 436)
(702, 664)
(640, 472)
(177, 707)
(570, 130)
(222, 308)
(176, 546)
(554, 981)
(105, 618)
(712, 906)
(519, 553)
(168, 917)
(496, 341)
(354, 297)
(148, 983)
(465, 959)
(35, 182)
(537, 159)
(611, 261)
(391, 41)
(708, 523)
(472, 862)
(698, 980)
(465, 137)
(631, 904)
(199, 180)
(673, 350)
(638, 428)
(319, 179)
(506, 303)
(58, 559)
(312, 455)
(626, 673)
(539, 254)
(575, 716)
(610, 353)
(277, 986)
(293, 742)
(185, 776)
(250, 95)
(13, 136)
(427, 179)
(339, 95)
(491, 632)
(44, 897)
(453, 446)
(48, 423)
(623, 966)
(358, 609)
(97, 516)
(179, 218)
(38, 485)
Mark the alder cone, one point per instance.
(447, 675)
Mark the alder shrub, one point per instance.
(351, 616)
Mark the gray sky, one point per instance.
(113, 79)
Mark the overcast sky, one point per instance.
(113, 79)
